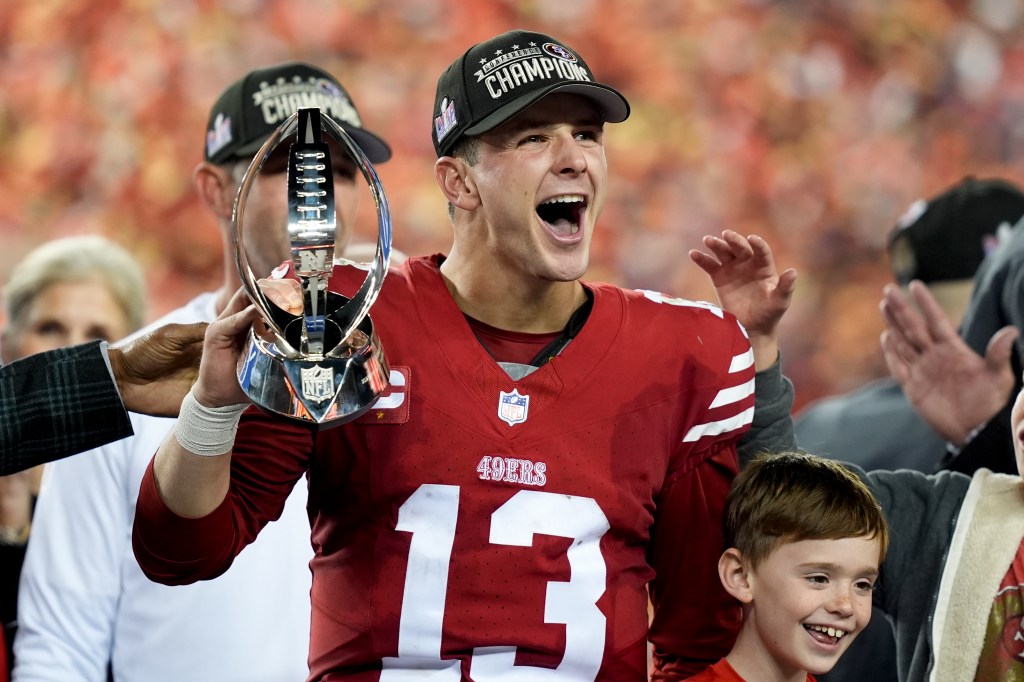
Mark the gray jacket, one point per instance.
(874, 427)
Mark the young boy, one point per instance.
(805, 540)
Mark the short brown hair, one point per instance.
(794, 496)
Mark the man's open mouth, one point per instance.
(564, 213)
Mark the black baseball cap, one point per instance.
(948, 236)
(252, 108)
(495, 80)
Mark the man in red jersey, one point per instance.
(550, 449)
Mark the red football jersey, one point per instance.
(480, 528)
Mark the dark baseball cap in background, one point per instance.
(948, 236)
(496, 79)
(252, 108)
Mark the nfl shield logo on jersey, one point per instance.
(513, 407)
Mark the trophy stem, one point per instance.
(312, 225)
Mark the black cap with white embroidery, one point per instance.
(495, 80)
(252, 108)
(947, 236)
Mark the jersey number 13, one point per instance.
(430, 514)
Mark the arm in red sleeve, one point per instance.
(174, 550)
(695, 620)
(270, 455)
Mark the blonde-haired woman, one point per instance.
(65, 292)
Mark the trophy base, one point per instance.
(325, 392)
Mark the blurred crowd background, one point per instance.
(813, 124)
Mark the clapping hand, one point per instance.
(953, 388)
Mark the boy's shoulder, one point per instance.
(723, 672)
(719, 672)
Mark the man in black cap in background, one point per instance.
(942, 242)
(253, 623)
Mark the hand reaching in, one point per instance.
(953, 388)
(156, 370)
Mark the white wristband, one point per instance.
(207, 431)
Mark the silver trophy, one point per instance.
(325, 366)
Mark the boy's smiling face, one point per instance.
(804, 604)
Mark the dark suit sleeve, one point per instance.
(996, 301)
(57, 403)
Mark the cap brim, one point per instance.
(612, 105)
(376, 149)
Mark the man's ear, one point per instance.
(734, 573)
(215, 188)
(456, 183)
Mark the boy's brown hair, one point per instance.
(794, 496)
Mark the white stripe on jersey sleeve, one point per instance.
(733, 394)
(723, 426)
(742, 361)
